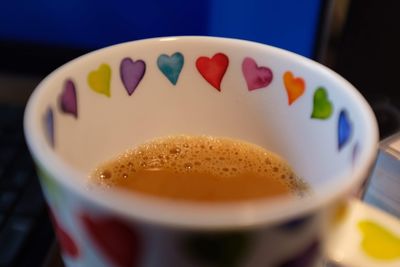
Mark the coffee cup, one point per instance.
(116, 98)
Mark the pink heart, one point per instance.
(256, 77)
(68, 99)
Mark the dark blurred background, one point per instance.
(357, 38)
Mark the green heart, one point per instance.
(49, 185)
(218, 250)
(99, 80)
(322, 108)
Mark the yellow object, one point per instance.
(379, 242)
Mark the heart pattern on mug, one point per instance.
(131, 73)
(99, 80)
(213, 69)
(171, 66)
(322, 107)
(256, 77)
(114, 238)
(344, 129)
(48, 122)
(68, 99)
(295, 86)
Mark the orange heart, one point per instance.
(295, 86)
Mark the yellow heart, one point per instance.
(99, 80)
(379, 242)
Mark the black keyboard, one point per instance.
(25, 230)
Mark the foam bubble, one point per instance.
(105, 174)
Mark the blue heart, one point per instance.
(344, 129)
(171, 66)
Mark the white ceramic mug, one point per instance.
(107, 101)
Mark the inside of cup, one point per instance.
(103, 103)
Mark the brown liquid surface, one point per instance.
(202, 169)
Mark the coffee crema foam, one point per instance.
(220, 159)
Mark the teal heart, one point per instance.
(322, 108)
(171, 66)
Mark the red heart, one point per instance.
(68, 246)
(114, 238)
(213, 69)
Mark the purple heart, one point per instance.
(48, 120)
(131, 73)
(256, 77)
(68, 99)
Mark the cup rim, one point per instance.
(196, 215)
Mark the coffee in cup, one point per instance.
(201, 168)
